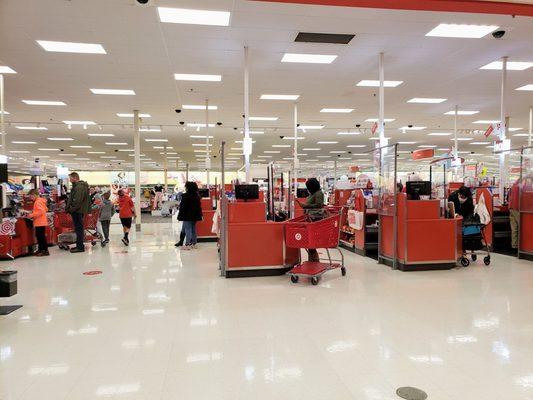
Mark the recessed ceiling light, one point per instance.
(96, 152)
(373, 83)
(256, 132)
(413, 128)
(356, 145)
(72, 47)
(337, 152)
(281, 145)
(514, 129)
(193, 17)
(292, 138)
(327, 142)
(406, 142)
(311, 127)
(528, 87)
(127, 150)
(479, 143)
(200, 137)
(67, 154)
(201, 144)
(261, 156)
(427, 146)
(323, 156)
(377, 138)
(337, 110)
(462, 31)
(312, 149)
(439, 134)
(521, 135)
(149, 129)
(462, 139)
(263, 118)
(461, 112)
(108, 157)
(195, 125)
(377, 120)
(19, 151)
(59, 139)
(43, 103)
(511, 65)
(116, 143)
(308, 58)
(156, 140)
(32, 128)
(348, 133)
(198, 107)
(82, 159)
(81, 147)
(4, 69)
(19, 142)
(198, 77)
(280, 96)
(487, 121)
(4, 112)
(116, 92)
(101, 134)
(272, 151)
(426, 100)
(131, 115)
(79, 122)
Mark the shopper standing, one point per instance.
(314, 208)
(514, 213)
(190, 213)
(40, 222)
(126, 212)
(107, 209)
(78, 205)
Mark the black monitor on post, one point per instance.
(416, 189)
(302, 193)
(204, 193)
(247, 192)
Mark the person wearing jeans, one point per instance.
(78, 206)
(189, 213)
(40, 222)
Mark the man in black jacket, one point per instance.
(189, 213)
(78, 206)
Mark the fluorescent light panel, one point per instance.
(348, 133)
(374, 83)
(72, 47)
(263, 118)
(32, 128)
(198, 77)
(4, 69)
(461, 112)
(327, 142)
(21, 142)
(43, 103)
(439, 134)
(311, 127)
(462, 31)
(114, 92)
(193, 17)
(308, 58)
(198, 107)
(528, 87)
(156, 140)
(413, 128)
(280, 97)
(511, 65)
(195, 125)
(101, 134)
(377, 120)
(79, 122)
(337, 110)
(58, 139)
(426, 100)
(130, 115)
(487, 121)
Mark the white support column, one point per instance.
(246, 112)
(504, 173)
(296, 163)
(2, 114)
(208, 151)
(165, 170)
(456, 142)
(381, 99)
(334, 174)
(530, 125)
(137, 148)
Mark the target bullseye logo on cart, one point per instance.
(298, 236)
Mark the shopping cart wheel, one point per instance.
(486, 260)
(294, 278)
(474, 257)
(343, 271)
(314, 280)
(465, 262)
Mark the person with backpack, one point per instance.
(190, 213)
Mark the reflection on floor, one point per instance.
(160, 323)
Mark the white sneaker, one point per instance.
(186, 248)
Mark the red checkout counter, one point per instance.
(203, 228)
(525, 246)
(426, 241)
(22, 241)
(255, 246)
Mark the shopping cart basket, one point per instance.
(304, 233)
(66, 226)
(473, 243)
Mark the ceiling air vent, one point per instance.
(310, 37)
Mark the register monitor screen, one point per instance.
(204, 193)
(416, 189)
(247, 192)
(302, 193)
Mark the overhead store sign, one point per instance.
(493, 128)
(502, 145)
(423, 154)
(374, 128)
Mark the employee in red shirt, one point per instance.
(126, 213)
(514, 213)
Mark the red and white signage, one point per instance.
(492, 128)
(423, 154)
(374, 128)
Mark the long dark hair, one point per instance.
(191, 187)
(312, 185)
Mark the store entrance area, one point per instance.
(159, 323)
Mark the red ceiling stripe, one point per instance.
(466, 6)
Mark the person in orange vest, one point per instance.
(514, 213)
(40, 222)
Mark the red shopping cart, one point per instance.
(304, 233)
(63, 222)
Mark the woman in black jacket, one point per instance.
(463, 202)
(189, 213)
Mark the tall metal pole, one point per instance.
(137, 149)
(503, 130)
(246, 113)
(2, 113)
(381, 99)
(530, 125)
(295, 159)
(334, 174)
(223, 212)
(456, 141)
(165, 170)
(208, 152)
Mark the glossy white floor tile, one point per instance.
(160, 324)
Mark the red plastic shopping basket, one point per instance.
(304, 234)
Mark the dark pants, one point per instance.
(77, 219)
(105, 229)
(40, 234)
(313, 255)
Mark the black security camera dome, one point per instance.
(498, 34)
(182, 122)
(177, 110)
(219, 123)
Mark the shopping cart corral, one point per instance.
(304, 233)
(67, 236)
